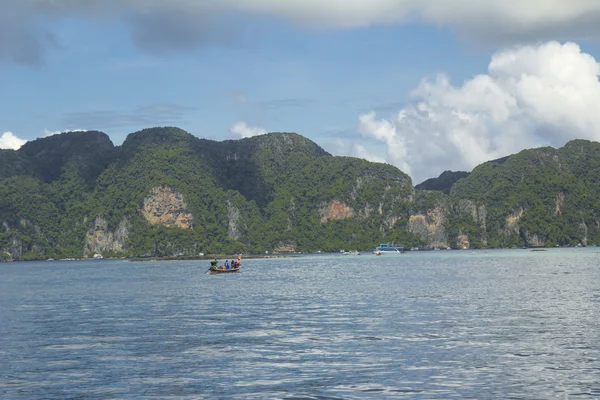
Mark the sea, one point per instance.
(485, 324)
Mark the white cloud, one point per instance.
(531, 96)
(159, 25)
(242, 130)
(361, 152)
(385, 131)
(490, 18)
(345, 147)
(9, 141)
(508, 15)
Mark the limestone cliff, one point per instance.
(512, 221)
(14, 248)
(533, 239)
(285, 247)
(233, 216)
(429, 226)
(583, 233)
(477, 213)
(14, 245)
(560, 203)
(166, 206)
(462, 241)
(335, 210)
(99, 239)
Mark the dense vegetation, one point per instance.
(280, 191)
(555, 193)
(444, 182)
(275, 185)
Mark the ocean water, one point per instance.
(506, 324)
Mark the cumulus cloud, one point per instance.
(531, 96)
(346, 147)
(9, 141)
(361, 152)
(158, 25)
(242, 130)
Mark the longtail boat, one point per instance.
(221, 269)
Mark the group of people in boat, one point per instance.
(228, 266)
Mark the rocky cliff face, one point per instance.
(533, 239)
(285, 247)
(462, 241)
(14, 246)
(166, 206)
(468, 207)
(233, 216)
(583, 233)
(560, 203)
(430, 227)
(335, 210)
(512, 221)
(99, 239)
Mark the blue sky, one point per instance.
(320, 72)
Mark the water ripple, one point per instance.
(489, 324)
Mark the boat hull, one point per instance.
(386, 248)
(224, 271)
(381, 252)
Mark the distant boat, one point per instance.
(223, 270)
(351, 253)
(389, 248)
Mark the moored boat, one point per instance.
(389, 248)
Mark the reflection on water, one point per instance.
(486, 324)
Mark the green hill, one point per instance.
(538, 197)
(444, 182)
(166, 192)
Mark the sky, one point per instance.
(425, 85)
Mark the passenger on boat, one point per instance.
(226, 264)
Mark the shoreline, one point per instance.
(282, 255)
(209, 258)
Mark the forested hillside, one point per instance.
(444, 182)
(538, 197)
(166, 192)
